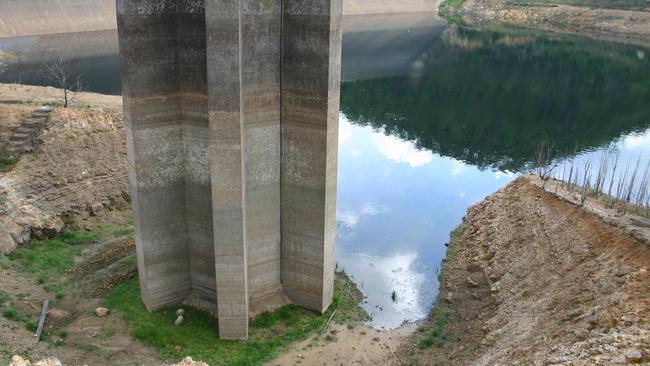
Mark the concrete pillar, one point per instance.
(311, 73)
(154, 131)
(232, 119)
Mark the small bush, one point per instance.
(8, 160)
(9, 314)
(438, 335)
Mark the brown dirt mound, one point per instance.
(531, 279)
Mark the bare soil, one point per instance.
(78, 169)
(616, 25)
(531, 279)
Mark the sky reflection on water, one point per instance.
(396, 207)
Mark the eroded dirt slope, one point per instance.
(530, 279)
(78, 168)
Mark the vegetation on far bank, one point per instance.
(608, 4)
(450, 4)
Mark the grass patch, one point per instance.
(8, 160)
(437, 333)
(609, 4)
(454, 4)
(4, 297)
(53, 256)
(91, 348)
(198, 336)
(10, 314)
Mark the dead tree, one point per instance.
(60, 75)
(544, 164)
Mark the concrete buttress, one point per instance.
(231, 111)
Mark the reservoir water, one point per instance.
(433, 119)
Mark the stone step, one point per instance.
(16, 143)
(23, 129)
(39, 114)
(20, 137)
(33, 123)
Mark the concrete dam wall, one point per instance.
(35, 17)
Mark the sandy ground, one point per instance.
(623, 26)
(348, 345)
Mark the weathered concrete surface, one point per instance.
(232, 122)
(36, 17)
(310, 107)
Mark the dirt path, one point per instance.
(531, 279)
(353, 345)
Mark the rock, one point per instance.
(187, 361)
(52, 361)
(101, 312)
(634, 356)
(179, 320)
(180, 312)
(96, 209)
(472, 282)
(615, 299)
(17, 360)
(449, 297)
(178, 348)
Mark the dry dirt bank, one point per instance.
(624, 26)
(77, 169)
(530, 279)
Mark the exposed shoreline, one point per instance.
(612, 25)
(21, 18)
(531, 278)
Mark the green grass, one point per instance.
(437, 333)
(611, 4)
(5, 356)
(4, 297)
(454, 4)
(8, 160)
(51, 257)
(198, 336)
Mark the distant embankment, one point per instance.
(32, 17)
(35, 17)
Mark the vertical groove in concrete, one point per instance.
(311, 57)
(192, 94)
